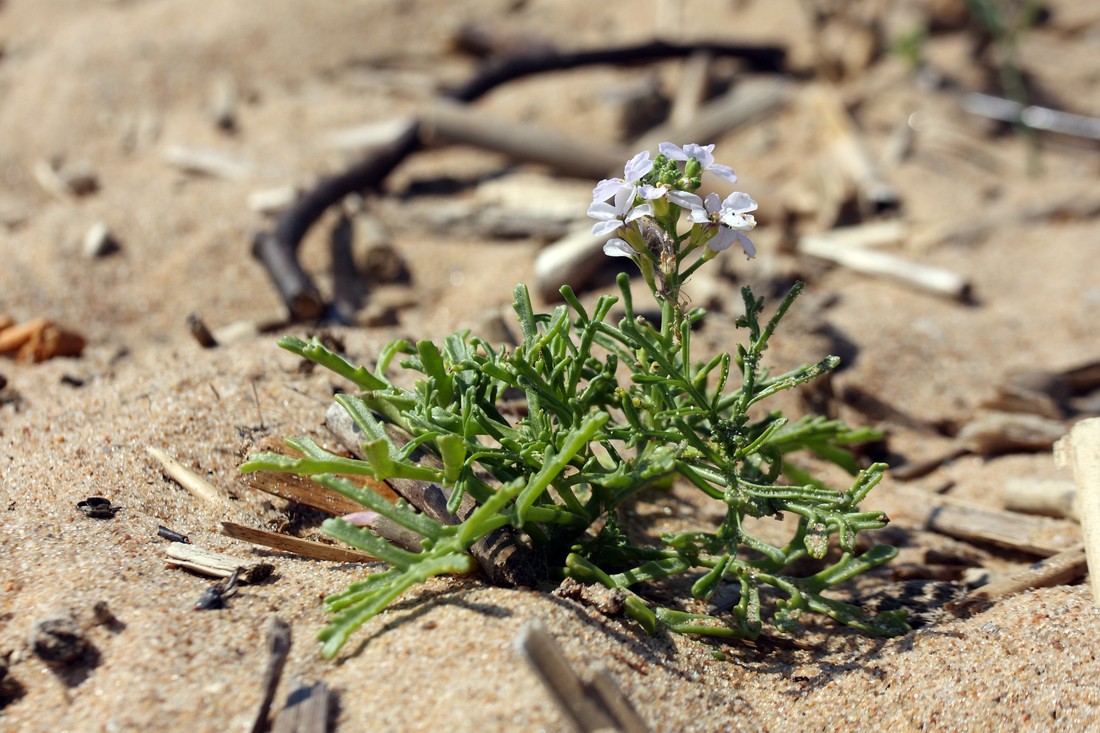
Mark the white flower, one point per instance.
(613, 216)
(731, 218)
(637, 167)
(702, 153)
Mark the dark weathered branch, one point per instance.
(497, 71)
(278, 249)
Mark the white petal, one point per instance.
(638, 166)
(739, 203)
(602, 228)
(638, 212)
(617, 248)
(684, 199)
(738, 221)
(722, 171)
(746, 244)
(722, 240)
(606, 188)
(713, 203)
(624, 199)
(602, 210)
(672, 151)
(702, 153)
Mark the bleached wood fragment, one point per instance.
(928, 278)
(747, 102)
(571, 260)
(1081, 450)
(871, 234)
(450, 122)
(595, 706)
(306, 711)
(991, 433)
(1065, 567)
(846, 145)
(1043, 536)
(215, 564)
(1052, 497)
(691, 91)
(204, 161)
(272, 200)
(370, 135)
(278, 649)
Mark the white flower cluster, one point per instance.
(622, 206)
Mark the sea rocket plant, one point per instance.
(612, 407)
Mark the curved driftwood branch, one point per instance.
(277, 249)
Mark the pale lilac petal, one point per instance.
(721, 240)
(746, 244)
(638, 212)
(617, 248)
(361, 519)
(739, 203)
(651, 193)
(613, 216)
(702, 153)
(744, 222)
(638, 166)
(606, 188)
(699, 215)
(722, 171)
(601, 210)
(684, 200)
(606, 227)
(672, 151)
(705, 214)
(624, 198)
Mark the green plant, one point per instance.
(611, 408)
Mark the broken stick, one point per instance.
(595, 706)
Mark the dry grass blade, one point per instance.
(188, 479)
(294, 545)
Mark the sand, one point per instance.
(113, 84)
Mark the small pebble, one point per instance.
(97, 507)
(58, 640)
(102, 614)
(99, 242)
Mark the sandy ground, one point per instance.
(114, 83)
